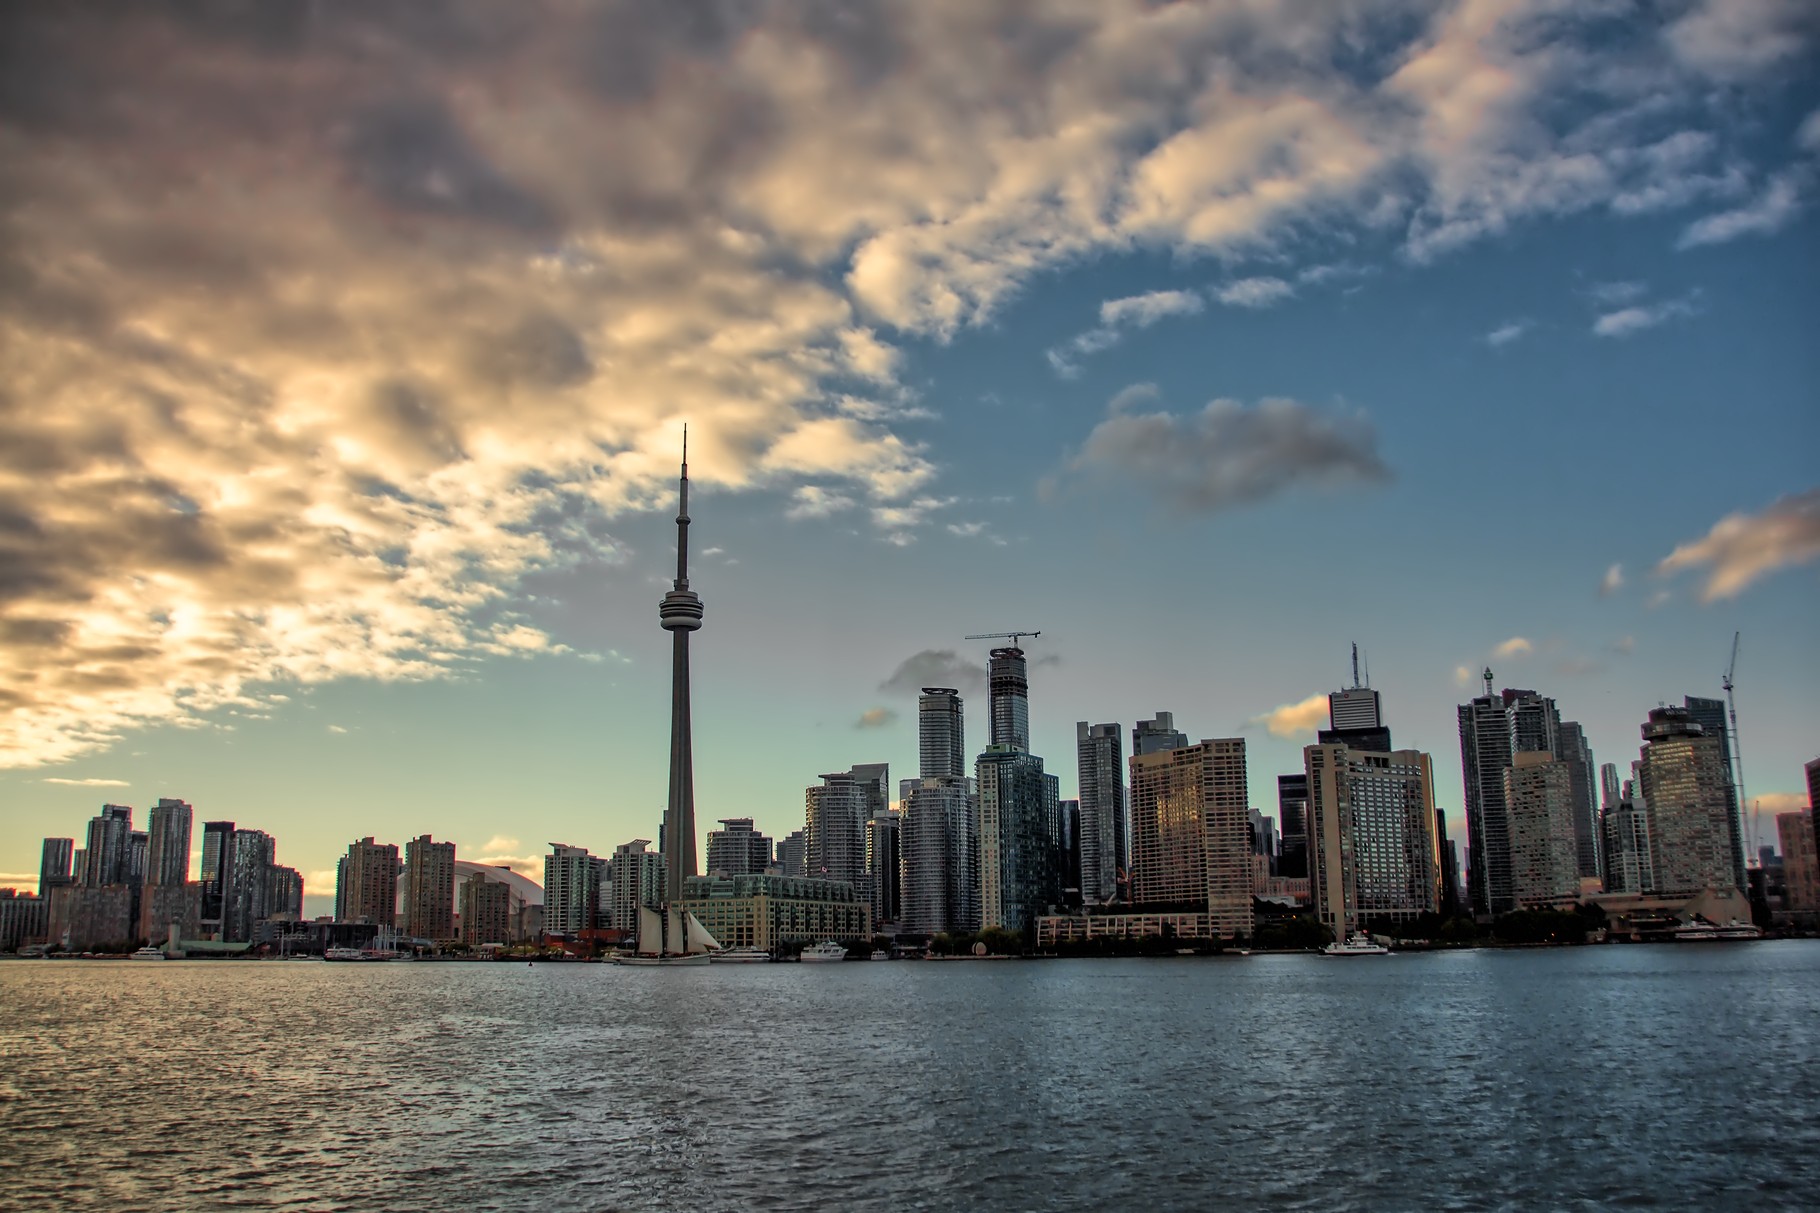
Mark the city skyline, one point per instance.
(347, 484)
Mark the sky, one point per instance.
(346, 353)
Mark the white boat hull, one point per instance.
(663, 962)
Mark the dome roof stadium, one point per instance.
(524, 889)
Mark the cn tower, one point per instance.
(680, 613)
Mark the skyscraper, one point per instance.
(1710, 715)
(680, 613)
(217, 874)
(1544, 865)
(1624, 843)
(636, 877)
(884, 863)
(56, 865)
(1355, 717)
(1692, 830)
(168, 850)
(1582, 776)
(1800, 865)
(1105, 822)
(486, 910)
(1190, 830)
(1485, 749)
(941, 739)
(1009, 681)
(1019, 837)
(792, 854)
(1068, 822)
(1151, 736)
(429, 882)
(571, 888)
(1373, 856)
(108, 857)
(834, 827)
(366, 884)
(249, 885)
(1292, 813)
(738, 849)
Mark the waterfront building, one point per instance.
(637, 879)
(253, 887)
(1494, 728)
(24, 919)
(167, 906)
(1292, 812)
(768, 912)
(1153, 736)
(1583, 782)
(1105, 820)
(571, 887)
(429, 888)
(737, 849)
(56, 865)
(366, 883)
(680, 613)
(1800, 866)
(1373, 853)
(1453, 894)
(524, 905)
(1190, 836)
(884, 864)
(941, 735)
(1625, 845)
(168, 849)
(1019, 837)
(87, 918)
(792, 855)
(486, 910)
(939, 844)
(107, 859)
(834, 826)
(1693, 831)
(1068, 823)
(1544, 865)
(216, 876)
(1710, 715)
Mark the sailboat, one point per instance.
(669, 936)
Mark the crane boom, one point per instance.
(1737, 754)
(1013, 637)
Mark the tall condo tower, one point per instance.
(1010, 685)
(680, 614)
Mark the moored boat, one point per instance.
(823, 952)
(148, 952)
(1358, 945)
(740, 956)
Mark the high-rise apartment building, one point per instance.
(636, 877)
(486, 910)
(1190, 830)
(1068, 822)
(738, 849)
(1019, 837)
(1105, 821)
(1693, 830)
(1373, 856)
(938, 837)
(884, 865)
(571, 887)
(1544, 865)
(1292, 814)
(366, 883)
(23, 919)
(834, 825)
(250, 888)
(1800, 865)
(108, 858)
(217, 876)
(168, 848)
(1710, 715)
(1152, 736)
(941, 736)
(1009, 682)
(1624, 839)
(56, 865)
(429, 888)
(1485, 749)
(1583, 776)
(792, 855)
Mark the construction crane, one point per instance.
(1737, 754)
(1013, 637)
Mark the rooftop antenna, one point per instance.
(1737, 755)
(1487, 677)
(1355, 663)
(1367, 669)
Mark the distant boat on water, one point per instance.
(148, 952)
(823, 952)
(670, 937)
(740, 956)
(1358, 945)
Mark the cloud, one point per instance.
(88, 783)
(875, 718)
(335, 728)
(1229, 454)
(1117, 316)
(497, 843)
(935, 668)
(1504, 334)
(1295, 719)
(1464, 676)
(327, 328)
(1612, 582)
(1771, 804)
(320, 883)
(1254, 292)
(1768, 213)
(1743, 548)
(1624, 322)
(1612, 293)
(1623, 646)
(1516, 646)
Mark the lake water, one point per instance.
(1672, 1077)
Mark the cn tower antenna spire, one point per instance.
(680, 613)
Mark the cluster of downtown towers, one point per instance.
(1169, 827)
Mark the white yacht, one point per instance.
(827, 950)
(148, 952)
(740, 956)
(1358, 945)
